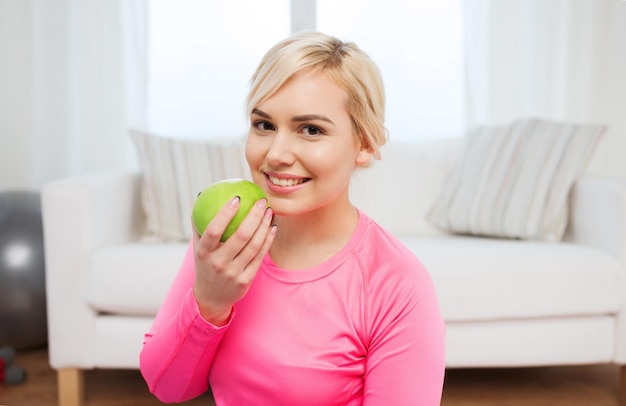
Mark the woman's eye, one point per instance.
(263, 126)
(312, 130)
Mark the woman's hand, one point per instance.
(224, 271)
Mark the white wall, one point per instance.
(15, 95)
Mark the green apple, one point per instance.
(214, 197)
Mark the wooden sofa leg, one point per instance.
(622, 385)
(71, 387)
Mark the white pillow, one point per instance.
(513, 180)
(175, 171)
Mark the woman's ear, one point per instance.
(364, 156)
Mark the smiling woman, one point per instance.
(309, 289)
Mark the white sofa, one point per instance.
(507, 303)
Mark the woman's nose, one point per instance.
(281, 152)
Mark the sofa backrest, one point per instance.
(398, 190)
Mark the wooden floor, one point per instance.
(595, 385)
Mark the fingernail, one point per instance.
(261, 203)
(268, 212)
(273, 229)
(235, 201)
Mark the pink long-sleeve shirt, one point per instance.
(363, 328)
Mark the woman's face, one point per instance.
(301, 148)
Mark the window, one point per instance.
(417, 46)
(201, 57)
(203, 53)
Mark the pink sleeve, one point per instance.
(179, 348)
(406, 361)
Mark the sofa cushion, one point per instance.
(406, 180)
(475, 278)
(132, 279)
(174, 171)
(513, 180)
(491, 279)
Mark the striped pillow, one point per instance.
(174, 171)
(513, 180)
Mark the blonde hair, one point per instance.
(347, 65)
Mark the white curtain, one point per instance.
(88, 70)
(557, 59)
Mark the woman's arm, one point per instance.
(179, 348)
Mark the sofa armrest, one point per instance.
(101, 209)
(598, 215)
(80, 215)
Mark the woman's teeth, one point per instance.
(286, 182)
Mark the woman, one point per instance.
(310, 302)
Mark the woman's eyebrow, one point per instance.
(261, 113)
(311, 117)
(296, 119)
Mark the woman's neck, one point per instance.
(307, 240)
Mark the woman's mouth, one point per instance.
(283, 182)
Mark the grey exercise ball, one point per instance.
(23, 321)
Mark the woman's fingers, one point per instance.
(243, 246)
(251, 255)
(218, 224)
(253, 266)
(246, 231)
